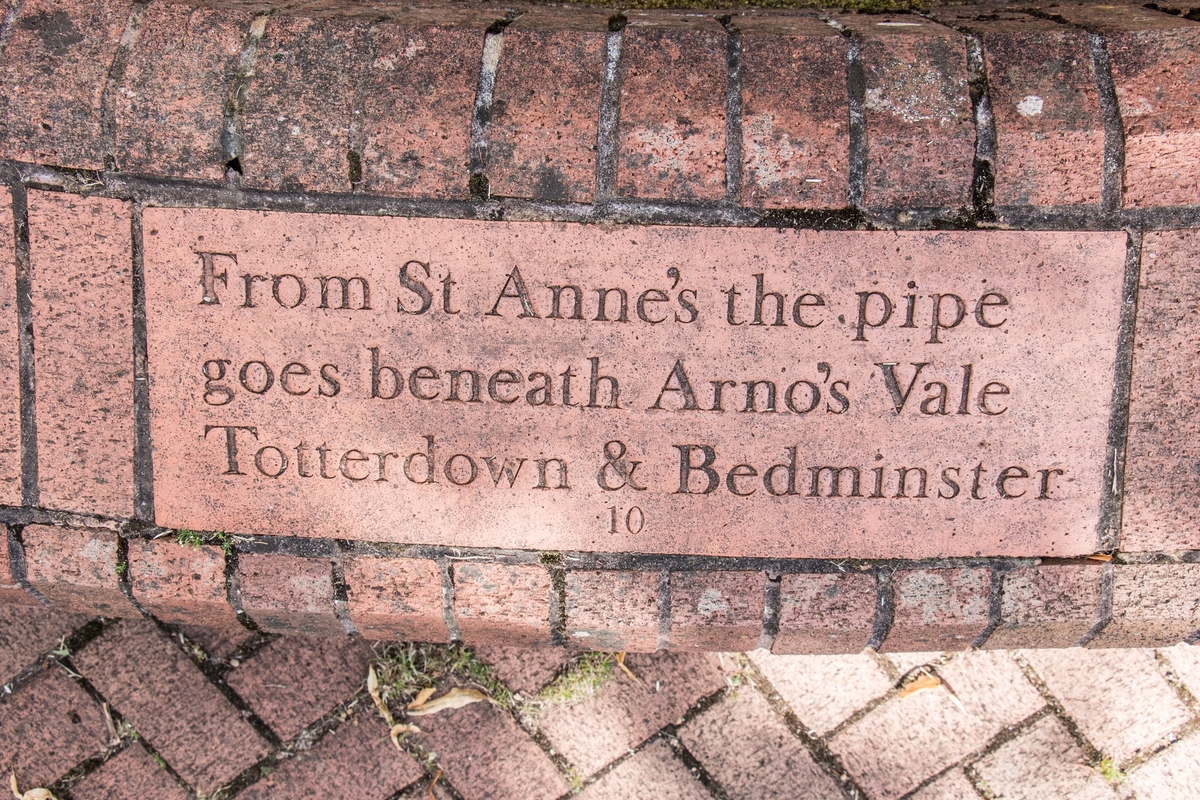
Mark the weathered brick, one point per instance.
(82, 293)
(179, 583)
(716, 610)
(29, 632)
(288, 594)
(420, 99)
(48, 726)
(1118, 698)
(523, 669)
(218, 643)
(356, 760)
(943, 609)
(76, 570)
(749, 751)
(10, 392)
(546, 108)
(795, 113)
(653, 772)
(1185, 663)
(825, 614)
(671, 135)
(1172, 773)
(11, 590)
(1156, 72)
(170, 104)
(129, 775)
(824, 691)
(55, 67)
(1044, 761)
(1049, 134)
(1153, 605)
(154, 686)
(1050, 605)
(1161, 484)
(294, 680)
(396, 598)
(502, 603)
(613, 610)
(479, 744)
(593, 731)
(299, 106)
(907, 739)
(919, 126)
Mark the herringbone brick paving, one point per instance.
(136, 709)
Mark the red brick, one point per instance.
(358, 760)
(1049, 134)
(716, 610)
(485, 754)
(938, 609)
(288, 594)
(795, 113)
(1161, 483)
(294, 680)
(55, 67)
(180, 583)
(1043, 762)
(624, 713)
(909, 738)
(218, 643)
(1051, 605)
(671, 135)
(154, 686)
(1156, 71)
(542, 134)
(1117, 698)
(1153, 605)
(420, 99)
(396, 598)
(920, 129)
(747, 748)
(502, 603)
(170, 104)
(76, 570)
(523, 669)
(28, 633)
(48, 726)
(81, 270)
(10, 392)
(299, 106)
(11, 590)
(825, 613)
(129, 775)
(613, 610)
(653, 772)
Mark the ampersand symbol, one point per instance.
(617, 468)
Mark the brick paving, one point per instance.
(96, 708)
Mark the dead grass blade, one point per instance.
(627, 670)
(398, 732)
(377, 696)
(437, 776)
(455, 698)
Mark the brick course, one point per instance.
(180, 583)
(502, 603)
(396, 598)
(10, 399)
(76, 570)
(283, 593)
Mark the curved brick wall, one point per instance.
(973, 118)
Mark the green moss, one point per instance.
(1111, 772)
(405, 668)
(191, 538)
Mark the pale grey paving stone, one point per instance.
(902, 742)
(1042, 762)
(1185, 661)
(652, 773)
(1173, 774)
(824, 691)
(954, 785)
(747, 748)
(1119, 699)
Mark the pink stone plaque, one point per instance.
(560, 386)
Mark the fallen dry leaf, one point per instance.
(455, 698)
(377, 696)
(422, 697)
(32, 794)
(1102, 557)
(923, 681)
(398, 732)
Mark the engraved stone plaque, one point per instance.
(741, 392)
